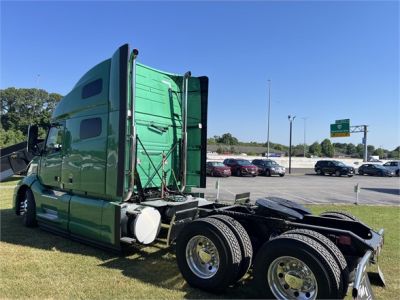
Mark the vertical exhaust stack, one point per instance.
(185, 87)
(132, 137)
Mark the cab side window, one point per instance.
(54, 139)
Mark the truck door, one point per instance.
(50, 166)
(52, 204)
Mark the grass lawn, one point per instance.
(37, 264)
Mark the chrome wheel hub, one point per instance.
(290, 278)
(202, 257)
(23, 206)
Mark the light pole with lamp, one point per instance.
(291, 119)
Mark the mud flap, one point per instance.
(178, 221)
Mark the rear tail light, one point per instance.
(344, 240)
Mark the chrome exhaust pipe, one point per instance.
(132, 136)
(185, 88)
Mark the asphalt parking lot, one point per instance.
(309, 188)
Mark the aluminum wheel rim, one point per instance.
(202, 257)
(23, 206)
(291, 278)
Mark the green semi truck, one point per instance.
(123, 152)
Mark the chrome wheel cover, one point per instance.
(23, 208)
(290, 278)
(202, 257)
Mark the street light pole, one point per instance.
(291, 119)
(304, 150)
(269, 113)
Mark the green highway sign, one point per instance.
(344, 121)
(341, 128)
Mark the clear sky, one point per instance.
(326, 60)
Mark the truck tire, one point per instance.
(244, 243)
(333, 250)
(29, 209)
(279, 261)
(340, 215)
(208, 255)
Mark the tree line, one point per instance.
(326, 148)
(21, 107)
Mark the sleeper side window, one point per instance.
(92, 88)
(90, 128)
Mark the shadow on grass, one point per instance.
(160, 269)
(14, 178)
(384, 190)
(153, 265)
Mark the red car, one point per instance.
(241, 167)
(215, 168)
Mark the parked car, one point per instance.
(269, 167)
(375, 170)
(241, 167)
(331, 167)
(215, 168)
(394, 166)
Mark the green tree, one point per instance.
(380, 152)
(327, 148)
(298, 150)
(22, 107)
(228, 139)
(351, 149)
(315, 149)
(211, 141)
(360, 150)
(10, 137)
(370, 149)
(395, 154)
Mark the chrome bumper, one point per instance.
(362, 286)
